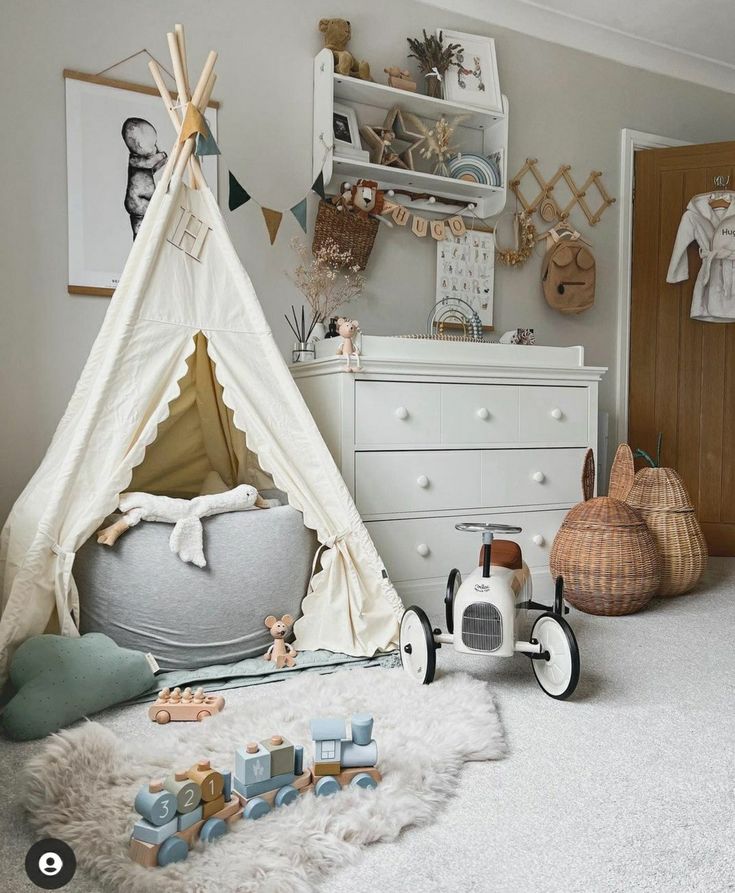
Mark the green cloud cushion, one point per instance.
(59, 680)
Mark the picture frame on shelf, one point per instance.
(345, 130)
(465, 269)
(472, 79)
(108, 123)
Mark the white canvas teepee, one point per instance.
(183, 283)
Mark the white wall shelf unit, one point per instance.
(488, 132)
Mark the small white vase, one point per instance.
(318, 332)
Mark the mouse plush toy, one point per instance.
(348, 329)
(280, 652)
(144, 160)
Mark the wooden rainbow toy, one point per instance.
(202, 803)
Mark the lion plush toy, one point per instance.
(337, 34)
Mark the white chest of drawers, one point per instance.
(431, 433)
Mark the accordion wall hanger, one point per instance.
(546, 204)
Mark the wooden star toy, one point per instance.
(381, 141)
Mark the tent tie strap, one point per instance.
(329, 543)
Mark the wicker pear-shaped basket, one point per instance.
(606, 554)
(661, 498)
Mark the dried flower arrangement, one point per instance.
(328, 279)
(438, 143)
(433, 58)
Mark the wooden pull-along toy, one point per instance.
(186, 706)
(202, 803)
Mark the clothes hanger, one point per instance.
(719, 200)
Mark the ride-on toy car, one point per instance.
(486, 611)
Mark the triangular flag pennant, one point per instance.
(193, 123)
(318, 186)
(238, 196)
(272, 221)
(205, 143)
(299, 212)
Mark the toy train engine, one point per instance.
(340, 761)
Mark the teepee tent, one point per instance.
(185, 338)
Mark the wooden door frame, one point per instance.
(631, 141)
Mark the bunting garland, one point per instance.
(238, 196)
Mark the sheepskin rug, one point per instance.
(81, 787)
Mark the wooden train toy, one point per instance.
(186, 706)
(202, 803)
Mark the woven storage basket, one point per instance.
(660, 497)
(607, 557)
(350, 231)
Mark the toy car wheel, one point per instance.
(417, 646)
(212, 829)
(162, 717)
(453, 583)
(559, 674)
(203, 714)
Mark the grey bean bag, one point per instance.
(144, 597)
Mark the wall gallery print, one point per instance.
(465, 268)
(472, 78)
(118, 139)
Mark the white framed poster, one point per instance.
(472, 78)
(465, 269)
(118, 137)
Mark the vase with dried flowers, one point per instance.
(328, 279)
(434, 60)
(438, 143)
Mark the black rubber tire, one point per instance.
(453, 583)
(574, 653)
(430, 644)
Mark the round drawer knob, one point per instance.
(401, 412)
(539, 477)
(483, 413)
(538, 540)
(556, 413)
(423, 549)
(422, 481)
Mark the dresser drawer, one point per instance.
(397, 412)
(417, 481)
(531, 477)
(554, 415)
(474, 413)
(415, 549)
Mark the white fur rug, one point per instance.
(81, 787)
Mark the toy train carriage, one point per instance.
(201, 803)
(177, 811)
(186, 706)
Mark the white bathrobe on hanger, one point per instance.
(713, 229)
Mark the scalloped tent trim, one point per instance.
(146, 347)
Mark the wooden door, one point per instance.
(682, 371)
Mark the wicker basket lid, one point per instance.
(659, 489)
(603, 511)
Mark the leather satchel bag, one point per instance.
(568, 273)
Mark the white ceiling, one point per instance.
(689, 39)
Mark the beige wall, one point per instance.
(565, 106)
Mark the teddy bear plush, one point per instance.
(337, 34)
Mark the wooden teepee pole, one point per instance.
(199, 92)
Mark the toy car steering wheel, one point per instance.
(481, 527)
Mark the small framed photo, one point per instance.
(118, 139)
(346, 131)
(473, 77)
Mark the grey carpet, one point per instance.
(628, 788)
